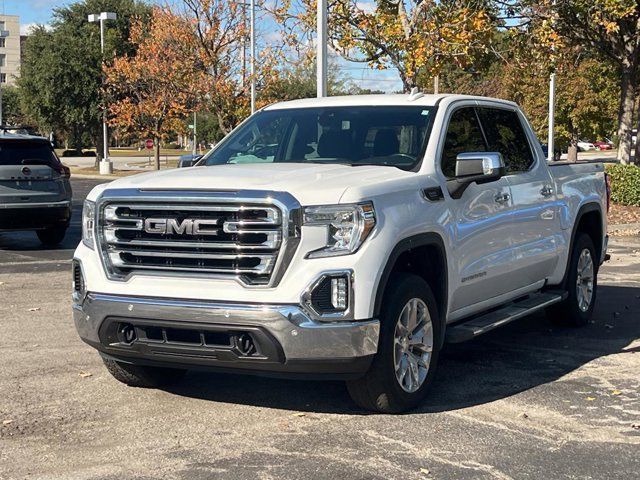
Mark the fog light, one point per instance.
(339, 295)
(329, 297)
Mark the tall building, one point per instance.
(9, 49)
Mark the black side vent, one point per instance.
(78, 280)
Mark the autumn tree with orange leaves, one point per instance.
(412, 36)
(218, 28)
(151, 92)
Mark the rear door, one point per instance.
(535, 214)
(30, 172)
(481, 225)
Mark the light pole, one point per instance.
(252, 48)
(3, 34)
(106, 166)
(321, 49)
(552, 101)
(552, 104)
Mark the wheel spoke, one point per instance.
(412, 317)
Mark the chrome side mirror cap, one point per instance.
(478, 167)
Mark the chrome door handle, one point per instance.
(502, 198)
(546, 191)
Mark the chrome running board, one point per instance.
(474, 326)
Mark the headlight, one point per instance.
(88, 223)
(347, 227)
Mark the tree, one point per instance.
(153, 90)
(61, 73)
(412, 36)
(11, 108)
(610, 30)
(299, 81)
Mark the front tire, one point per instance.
(582, 284)
(402, 371)
(143, 376)
(51, 236)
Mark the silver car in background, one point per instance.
(35, 191)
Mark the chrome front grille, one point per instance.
(227, 239)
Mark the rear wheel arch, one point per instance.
(589, 220)
(423, 255)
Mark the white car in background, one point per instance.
(585, 146)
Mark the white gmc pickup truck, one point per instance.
(346, 237)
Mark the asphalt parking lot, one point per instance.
(528, 401)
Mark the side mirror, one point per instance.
(475, 167)
(188, 161)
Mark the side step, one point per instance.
(508, 313)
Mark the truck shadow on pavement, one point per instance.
(525, 354)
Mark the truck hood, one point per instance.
(310, 184)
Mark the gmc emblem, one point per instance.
(169, 226)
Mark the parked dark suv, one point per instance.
(35, 191)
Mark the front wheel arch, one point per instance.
(408, 256)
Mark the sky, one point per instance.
(32, 12)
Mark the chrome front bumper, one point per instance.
(297, 344)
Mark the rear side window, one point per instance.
(463, 135)
(506, 135)
(27, 153)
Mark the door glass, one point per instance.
(505, 135)
(463, 135)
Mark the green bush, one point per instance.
(625, 184)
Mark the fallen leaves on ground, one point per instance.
(621, 214)
(85, 374)
(616, 392)
(590, 399)
(299, 414)
(7, 422)
(34, 309)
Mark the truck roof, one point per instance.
(403, 99)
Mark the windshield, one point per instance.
(393, 136)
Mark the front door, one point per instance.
(482, 256)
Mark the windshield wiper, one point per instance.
(374, 165)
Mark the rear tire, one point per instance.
(52, 236)
(582, 285)
(402, 349)
(143, 376)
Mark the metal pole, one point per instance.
(195, 120)
(436, 84)
(321, 80)
(244, 43)
(106, 167)
(552, 105)
(253, 56)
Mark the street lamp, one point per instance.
(252, 68)
(3, 34)
(106, 166)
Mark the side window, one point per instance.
(506, 135)
(463, 135)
